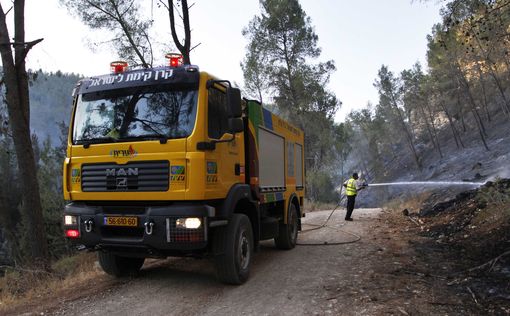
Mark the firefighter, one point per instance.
(351, 190)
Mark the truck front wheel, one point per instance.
(119, 266)
(233, 246)
(287, 233)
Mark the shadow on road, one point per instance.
(200, 271)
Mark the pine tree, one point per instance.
(278, 63)
(279, 66)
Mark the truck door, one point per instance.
(225, 163)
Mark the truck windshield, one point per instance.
(127, 114)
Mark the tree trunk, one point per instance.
(464, 128)
(429, 131)
(455, 133)
(478, 119)
(479, 123)
(288, 73)
(474, 110)
(480, 129)
(185, 47)
(493, 72)
(18, 106)
(406, 131)
(506, 105)
(432, 118)
(485, 103)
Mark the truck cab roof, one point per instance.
(187, 75)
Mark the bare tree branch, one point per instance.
(129, 36)
(184, 48)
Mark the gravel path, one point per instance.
(281, 282)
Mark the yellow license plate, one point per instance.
(129, 221)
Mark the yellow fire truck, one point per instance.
(170, 161)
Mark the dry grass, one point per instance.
(495, 202)
(496, 195)
(412, 204)
(310, 206)
(492, 217)
(21, 286)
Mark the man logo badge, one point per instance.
(121, 172)
(121, 176)
(121, 183)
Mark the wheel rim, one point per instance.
(243, 250)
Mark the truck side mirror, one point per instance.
(234, 102)
(235, 125)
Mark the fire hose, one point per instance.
(325, 225)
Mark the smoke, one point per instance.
(503, 171)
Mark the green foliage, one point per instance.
(10, 199)
(469, 59)
(342, 135)
(391, 109)
(124, 18)
(278, 67)
(50, 102)
(50, 181)
(49, 175)
(281, 40)
(371, 136)
(66, 265)
(256, 78)
(320, 187)
(10, 193)
(463, 90)
(497, 194)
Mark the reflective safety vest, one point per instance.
(351, 187)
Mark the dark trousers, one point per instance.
(350, 205)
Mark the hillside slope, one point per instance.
(458, 164)
(51, 103)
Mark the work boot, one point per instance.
(349, 219)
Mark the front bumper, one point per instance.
(156, 232)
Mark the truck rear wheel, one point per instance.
(119, 266)
(233, 245)
(287, 233)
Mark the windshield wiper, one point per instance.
(162, 138)
(99, 140)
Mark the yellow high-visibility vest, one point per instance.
(351, 187)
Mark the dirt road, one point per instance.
(281, 283)
(379, 274)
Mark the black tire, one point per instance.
(287, 233)
(233, 246)
(119, 266)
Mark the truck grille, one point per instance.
(136, 176)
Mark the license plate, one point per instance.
(129, 221)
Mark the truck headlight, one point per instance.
(70, 220)
(189, 223)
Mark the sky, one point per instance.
(359, 35)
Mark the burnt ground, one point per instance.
(473, 232)
(449, 257)
(450, 260)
